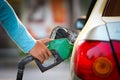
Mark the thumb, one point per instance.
(46, 40)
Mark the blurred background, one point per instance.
(40, 17)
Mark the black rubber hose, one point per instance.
(21, 66)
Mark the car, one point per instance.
(96, 52)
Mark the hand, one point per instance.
(40, 50)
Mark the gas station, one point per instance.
(85, 42)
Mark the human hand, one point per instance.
(40, 50)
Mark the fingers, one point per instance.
(46, 40)
(39, 57)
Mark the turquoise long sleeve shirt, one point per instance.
(15, 29)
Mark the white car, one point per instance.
(96, 52)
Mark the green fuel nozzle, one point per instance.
(62, 46)
(61, 50)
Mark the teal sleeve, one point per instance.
(15, 28)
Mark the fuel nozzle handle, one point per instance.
(61, 50)
(57, 59)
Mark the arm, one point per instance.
(15, 28)
(20, 35)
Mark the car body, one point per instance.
(96, 52)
